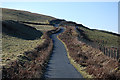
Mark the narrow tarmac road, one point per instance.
(59, 65)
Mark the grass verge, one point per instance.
(92, 60)
(78, 67)
(32, 63)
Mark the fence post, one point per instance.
(110, 52)
(100, 47)
(115, 53)
(106, 50)
(118, 55)
(114, 50)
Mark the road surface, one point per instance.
(59, 65)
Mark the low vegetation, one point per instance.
(26, 47)
(32, 63)
(101, 37)
(17, 38)
(42, 28)
(93, 60)
(25, 50)
(19, 15)
(13, 47)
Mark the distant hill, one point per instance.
(19, 15)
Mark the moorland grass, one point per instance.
(42, 28)
(19, 15)
(77, 66)
(101, 38)
(13, 47)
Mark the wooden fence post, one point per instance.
(99, 47)
(106, 51)
(118, 55)
(115, 52)
(110, 52)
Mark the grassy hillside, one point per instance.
(18, 15)
(17, 29)
(18, 37)
(41, 27)
(101, 37)
(89, 59)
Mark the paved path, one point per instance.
(59, 65)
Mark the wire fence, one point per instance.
(112, 52)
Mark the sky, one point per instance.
(95, 15)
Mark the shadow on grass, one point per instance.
(19, 30)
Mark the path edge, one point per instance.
(78, 67)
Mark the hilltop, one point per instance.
(20, 15)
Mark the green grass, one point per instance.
(13, 47)
(100, 37)
(42, 28)
(18, 15)
(20, 30)
(18, 37)
(78, 67)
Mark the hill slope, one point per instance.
(18, 37)
(20, 30)
(19, 15)
(104, 38)
(86, 34)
